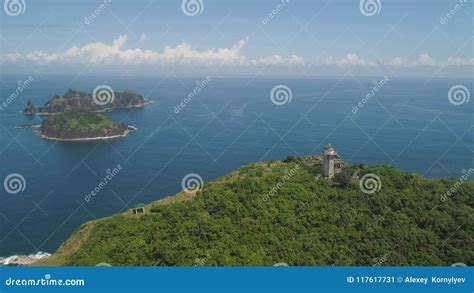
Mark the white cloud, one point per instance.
(397, 62)
(350, 59)
(427, 60)
(116, 53)
(455, 61)
(101, 53)
(277, 59)
(422, 60)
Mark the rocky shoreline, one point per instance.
(77, 124)
(79, 99)
(129, 130)
(149, 102)
(23, 260)
(28, 126)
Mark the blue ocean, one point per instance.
(228, 122)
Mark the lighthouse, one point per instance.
(331, 161)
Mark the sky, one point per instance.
(267, 37)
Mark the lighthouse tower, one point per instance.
(329, 156)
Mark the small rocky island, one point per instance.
(79, 99)
(77, 124)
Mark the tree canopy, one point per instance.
(234, 220)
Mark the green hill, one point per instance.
(105, 99)
(77, 123)
(234, 220)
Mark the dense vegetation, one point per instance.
(83, 100)
(77, 123)
(234, 220)
(80, 120)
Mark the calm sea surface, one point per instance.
(229, 123)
